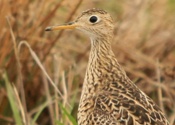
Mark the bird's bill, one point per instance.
(70, 25)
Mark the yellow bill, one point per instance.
(70, 25)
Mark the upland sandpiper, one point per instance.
(109, 97)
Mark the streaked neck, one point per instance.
(101, 46)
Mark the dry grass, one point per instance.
(144, 45)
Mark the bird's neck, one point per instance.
(100, 49)
(101, 61)
(102, 66)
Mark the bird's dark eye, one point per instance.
(93, 19)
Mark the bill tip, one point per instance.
(48, 29)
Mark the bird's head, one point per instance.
(94, 22)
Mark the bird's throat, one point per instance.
(100, 51)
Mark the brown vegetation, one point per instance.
(144, 45)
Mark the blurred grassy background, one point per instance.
(144, 45)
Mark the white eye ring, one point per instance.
(94, 19)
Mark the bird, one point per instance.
(108, 95)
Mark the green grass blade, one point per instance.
(70, 117)
(59, 123)
(42, 107)
(12, 100)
